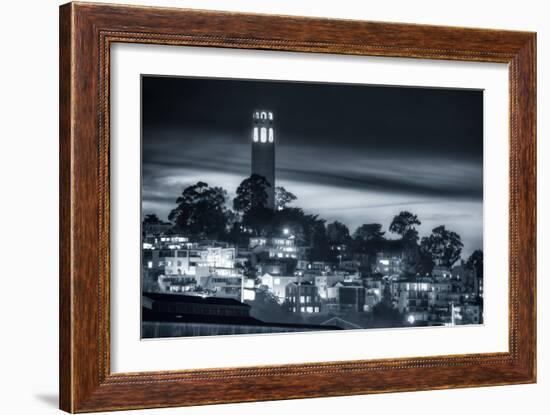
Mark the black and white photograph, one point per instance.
(283, 206)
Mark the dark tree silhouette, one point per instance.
(337, 233)
(299, 224)
(251, 194)
(259, 219)
(443, 245)
(369, 232)
(151, 219)
(425, 263)
(404, 225)
(283, 197)
(384, 313)
(410, 236)
(265, 307)
(475, 262)
(319, 244)
(367, 240)
(201, 211)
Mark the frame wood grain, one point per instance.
(86, 33)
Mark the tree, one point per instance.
(232, 219)
(425, 263)
(201, 210)
(318, 240)
(404, 225)
(258, 218)
(251, 194)
(475, 262)
(410, 237)
(151, 219)
(369, 232)
(293, 220)
(384, 316)
(443, 245)
(384, 313)
(367, 240)
(283, 197)
(337, 233)
(266, 307)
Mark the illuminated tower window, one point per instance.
(270, 134)
(255, 134)
(257, 115)
(271, 116)
(263, 135)
(264, 116)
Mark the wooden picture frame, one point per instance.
(86, 33)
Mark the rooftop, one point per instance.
(154, 316)
(193, 299)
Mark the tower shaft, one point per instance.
(263, 151)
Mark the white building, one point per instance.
(325, 282)
(188, 261)
(277, 284)
(284, 247)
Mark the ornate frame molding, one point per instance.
(86, 33)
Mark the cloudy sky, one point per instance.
(353, 153)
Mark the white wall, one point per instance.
(28, 163)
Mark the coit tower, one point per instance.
(263, 150)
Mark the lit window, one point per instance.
(271, 134)
(257, 115)
(263, 135)
(302, 299)
(271, 116)
(302, 309)
(309, 309)
(264, 116)
(255, 134)
(150, 264)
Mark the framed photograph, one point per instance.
(259, 207)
